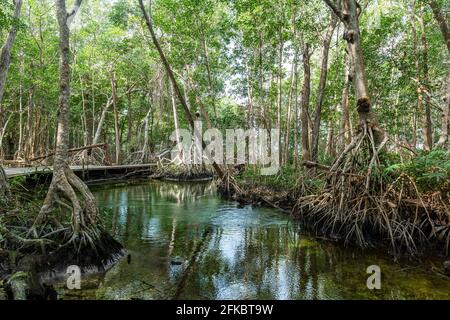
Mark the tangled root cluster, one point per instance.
(183, 172)
(95, 156)
(359, 204)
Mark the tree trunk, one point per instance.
(210, 81)
(330, 140)
(419, 81)
(129, 118)
(116, 116)
(4, 187)
(250, 116)
(305, 103)
(177, 89)
(443, 140)
(175, 121)
(65, 184)
(426, 83)
(349, 15)
(440, 18)
(5, 57)
(98, 132)
(296, 123)
(280, 90)
(322, 84)
(347, 133)
(145, 147)
(84, 122)
(289, 111)
(414, 132)
(5, 61)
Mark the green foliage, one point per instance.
(5, 14)
(16, 181)
(230, 116)
(283, 180)
(430, 170)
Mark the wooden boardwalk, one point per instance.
(27, 171)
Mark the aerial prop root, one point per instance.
(359, 201)
(69, 193)
(228, 185)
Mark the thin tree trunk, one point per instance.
(5, 56)
(321, 89)
(330, 140)
(84, 116)
(443, 25)
(208, 69)
(349, 15)
(427, 116)
(440, 18)
(98, 132)
(289, 111)
(175, 121)
(21, 133)
(279, 90)
(174, 82)
(305, 103)
(145, 147)
(116, 116)
(261, 80)
(419, 80)
(129, 117)
(5, 61)
(65, 184)
(250, 116)
(443, 140)
(296, 122)
(346, 124)
(414, 132)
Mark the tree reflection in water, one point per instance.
(187, 243)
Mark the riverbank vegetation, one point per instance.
(360, 91)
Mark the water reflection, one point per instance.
(186, 243)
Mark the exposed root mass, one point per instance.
(361, 204)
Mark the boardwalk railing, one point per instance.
(85, 155)
(81, 156)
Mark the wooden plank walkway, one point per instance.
(20, 172)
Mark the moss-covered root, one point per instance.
(18, 285)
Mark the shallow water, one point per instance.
(187, 243)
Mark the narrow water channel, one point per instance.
(185, 242)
